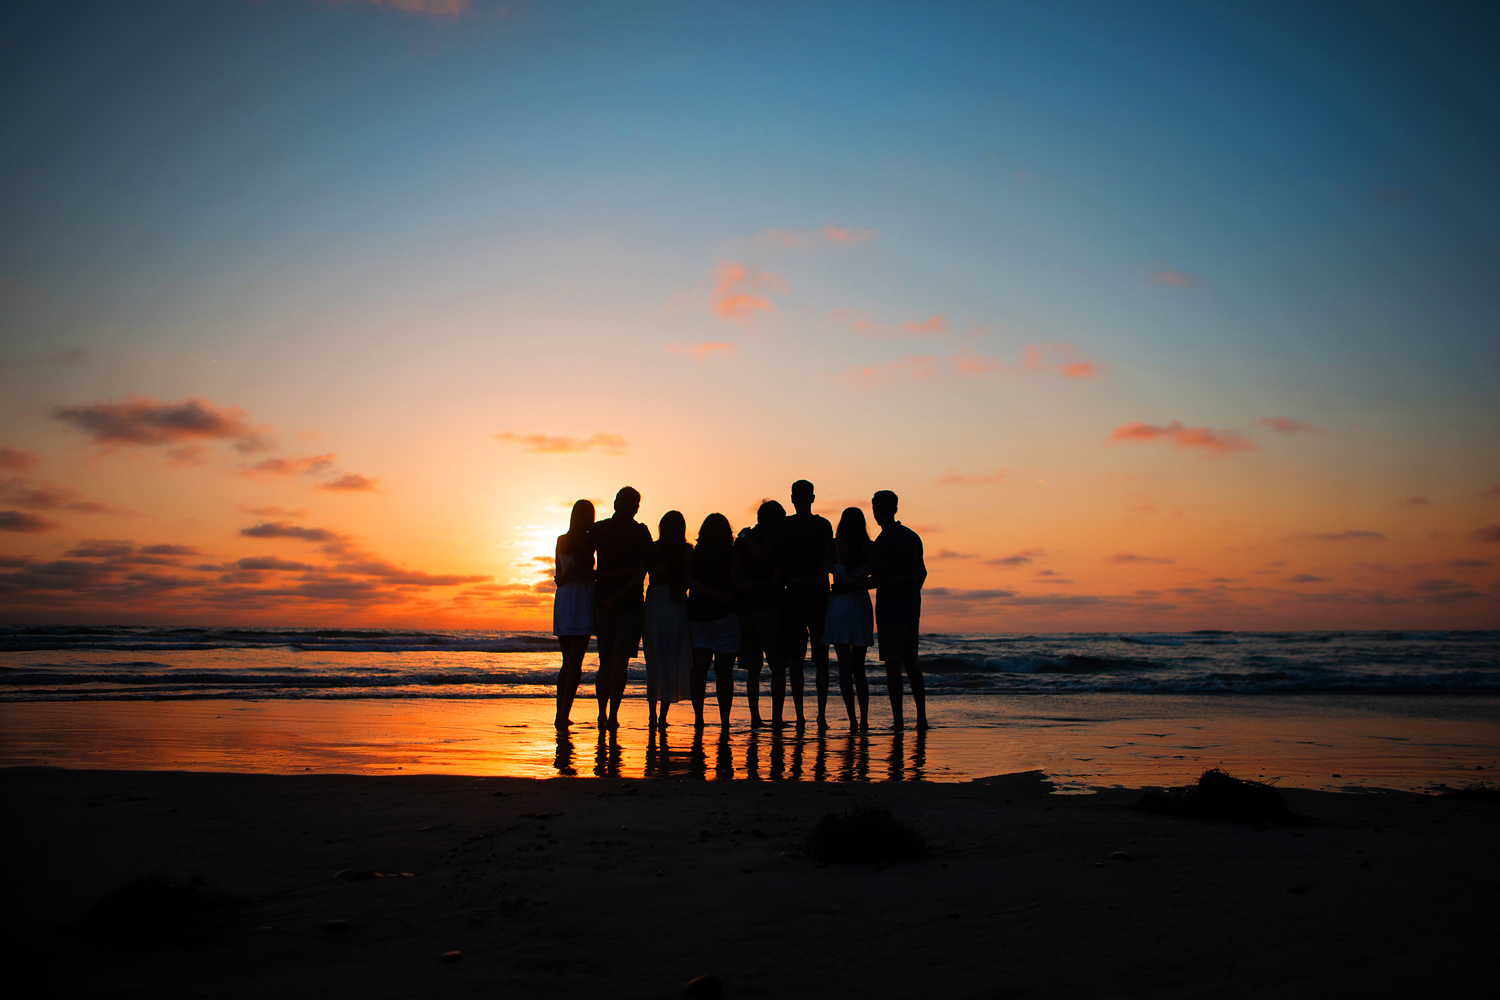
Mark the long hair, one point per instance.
(854, 536)
(715, 534)
(671, 541)
(579, 523)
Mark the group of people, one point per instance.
(787, 583)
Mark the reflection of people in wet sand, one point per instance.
(805, 551)
(711, 614)
(757, 579)
(622, 546)
(850, 622)
(573, 604)
(667, 638)
(898, 572)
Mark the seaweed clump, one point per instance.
(1220, 795)
(161, 910)
(867, 833)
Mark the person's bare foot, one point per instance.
(822, 723)
(922, 724)
(756, 722)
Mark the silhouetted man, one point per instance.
(757, 579)
(898, 573)
(805, 554)
(622, 546)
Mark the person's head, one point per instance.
(769, 512)
(852, 526)
(715, 532)
(582, 518)
(802, 496)
(883, 506)
(673, 528)
(627, 502)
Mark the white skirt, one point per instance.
(668, 644)
(722, 635)
(850, 620)
(573, 609)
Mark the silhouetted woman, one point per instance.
(573, 604)
(850, 624)
(667, 638)
(715, 626)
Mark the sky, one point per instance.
(1156, 316)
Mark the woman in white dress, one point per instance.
(850, 623)
(573, 604)
(666, 637)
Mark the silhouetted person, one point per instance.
(666, 637)
(712, 618)
(850, 623)
(622, 546)
(899, 573)
(573, 604)
(757, 580)
(804, 555)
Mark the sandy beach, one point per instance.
(631, 888)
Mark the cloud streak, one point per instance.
(548, 444)
(740, 291)
(827, 235)
(145, 421)
(311, 465)
(349, 483)
(967, 363)
(21, 523)
(1222, 442)
(702, 351)
(1285, 425)
(14, 459)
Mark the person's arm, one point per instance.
(737, 574)
(568, 575)
(698, 587)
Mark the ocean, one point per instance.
(131, 663)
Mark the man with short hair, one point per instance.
(805, 554)
(622, 547)
(898, 573)
(757, 578)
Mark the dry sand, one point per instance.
(631, 888)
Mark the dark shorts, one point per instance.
(760, 634)
(619, 630)
(802, 618)
(898, 641)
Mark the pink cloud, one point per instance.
(803, 239)
(21, 461)
(952, 478)
(1080, 369)
(1023, 558)
(737, 292)
(546, 444)
(144, 421)
(936, 326)
(847, 236)
(1224, 442)
(854, 321)
(1128, 558)
(350, 483)
(292, 465)
(1285, 425)
(701, 351)
(1177, 279)
(967, 363)
(915, 368)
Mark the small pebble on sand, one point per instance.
(452, 956)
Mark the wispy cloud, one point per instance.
(1223, 442)
(430, 8)
(281, 529)
(740, 291)
(1023, 558)
(1306, 578)
(42, 496)
(967, 363)
(273, 512)
(548, 444)
(1129, 558)
(827, 235)
(1415, 501)
(20, 461)
(1177, 279)
(952, 554)
(952, 478)
(292, 465)
(350, 483)
(1285, 425)
(20, 522)
(935, 326)
(1489, 534)
(701, 351)
(145, 421)
(1350, 535)
(1493, 491)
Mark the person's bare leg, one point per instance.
(820, 674)
(724, 684)
(846, 682)
(918, 692)
(752, 663)
(617, 678)
(893, 687)
(602, 676)
(778, 693)
(574, 649)
(861, 685)
(698, 682)
(794, 674)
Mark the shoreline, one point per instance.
(605, 886)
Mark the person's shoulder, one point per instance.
(825, 526)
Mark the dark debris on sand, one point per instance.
(161, 910)
(866, 832)
(1220, 795)
(1472, 793)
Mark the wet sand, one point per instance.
(1080, 741)
(629, 888)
